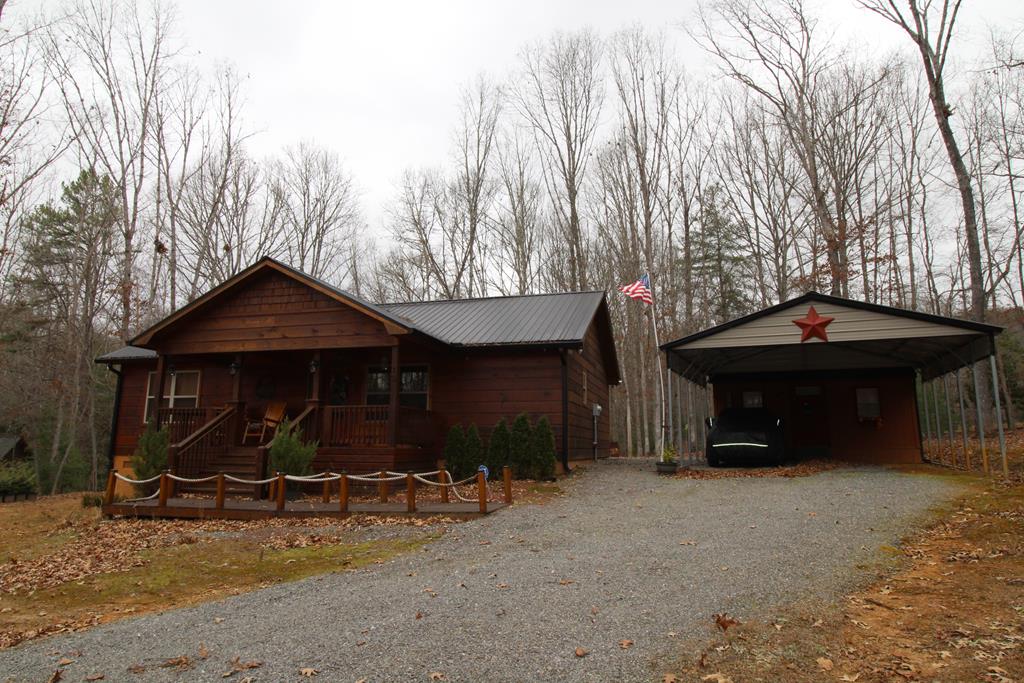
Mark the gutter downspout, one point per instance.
(114, 417)
(565, 411)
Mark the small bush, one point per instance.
(92, 500)
(542, 452)
(474, 450)
(455, 460)
(498, 447)
(290, 454)
(519, 447)
(150, 458)
(17, 479)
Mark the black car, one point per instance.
(747, 436)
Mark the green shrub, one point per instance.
(455, 460)
(92, 500)
(498, 448)
(520, 443)
(290, 454)
(474, 450)
(542, 452)
(150, 457)
(17, 478)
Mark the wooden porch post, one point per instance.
(158, 391)
(236, 399)
(315, 392)
(394, 378)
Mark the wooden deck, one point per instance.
(200, 508)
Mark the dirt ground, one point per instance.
(948, 607)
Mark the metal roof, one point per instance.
(127, 354)
(504, 321)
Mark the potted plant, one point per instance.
(669, 463)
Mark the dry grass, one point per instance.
(63, 568)
(951, 608)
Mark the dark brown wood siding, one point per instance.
(272, 313)
(588, 384)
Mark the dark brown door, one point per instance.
(809, 425)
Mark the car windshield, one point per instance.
(746, 418)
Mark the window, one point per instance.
(181, 390)
(868, 406)
(413, 386)
(753, 399)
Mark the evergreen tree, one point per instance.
(498, 447)
(542, 451)
(519, 447)
(455, 452)
(474, 450)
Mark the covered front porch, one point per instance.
(223, 411)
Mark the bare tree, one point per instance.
(559, 93)
(917, 19)
(320, 210)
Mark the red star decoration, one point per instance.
(813, 325)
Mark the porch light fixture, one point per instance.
(314, 365)
(171, 370)
(233, 369)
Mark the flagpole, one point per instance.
(661, 378)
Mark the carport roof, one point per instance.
(860, 336)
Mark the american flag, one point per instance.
(641, 289)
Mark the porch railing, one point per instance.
(365, 425)
(180, 423)
(187, 457)
(355, 426)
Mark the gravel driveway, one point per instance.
(627, 555)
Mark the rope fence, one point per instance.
(444, 482)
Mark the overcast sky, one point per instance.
(378, 81)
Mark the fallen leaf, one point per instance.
(848, 678)
(203, 652)
(669, 678)
(419, 615)
(717, 678)
(95, 677)
(825, 663)
(55, 677)
(182, 662)
(625, 644)
(724, 621)
(308, 672)
(64, 661)
(218, 620)
(437, 676)
(565, 582)
(580, 652)
(136, 669)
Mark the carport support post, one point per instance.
(949, 420)
(927, 421)
(999, 415)
(670, 434)
(963, 420)
(980, 423)
(938, 420)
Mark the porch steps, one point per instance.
(238, 461)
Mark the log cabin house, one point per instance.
(272, 336)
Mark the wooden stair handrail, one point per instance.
(291, 423)
(227, 412)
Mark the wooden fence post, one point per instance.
(108, 496)
(261, 472)
(163, 489)
(410, 493)
(220, 490)
(383, 486)
(506, 475)
(327, 491)
(481, 488)
(343, 492)
(280, 491)
(443, 477)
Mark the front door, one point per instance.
(809, 426)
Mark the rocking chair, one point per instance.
(271, 420)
